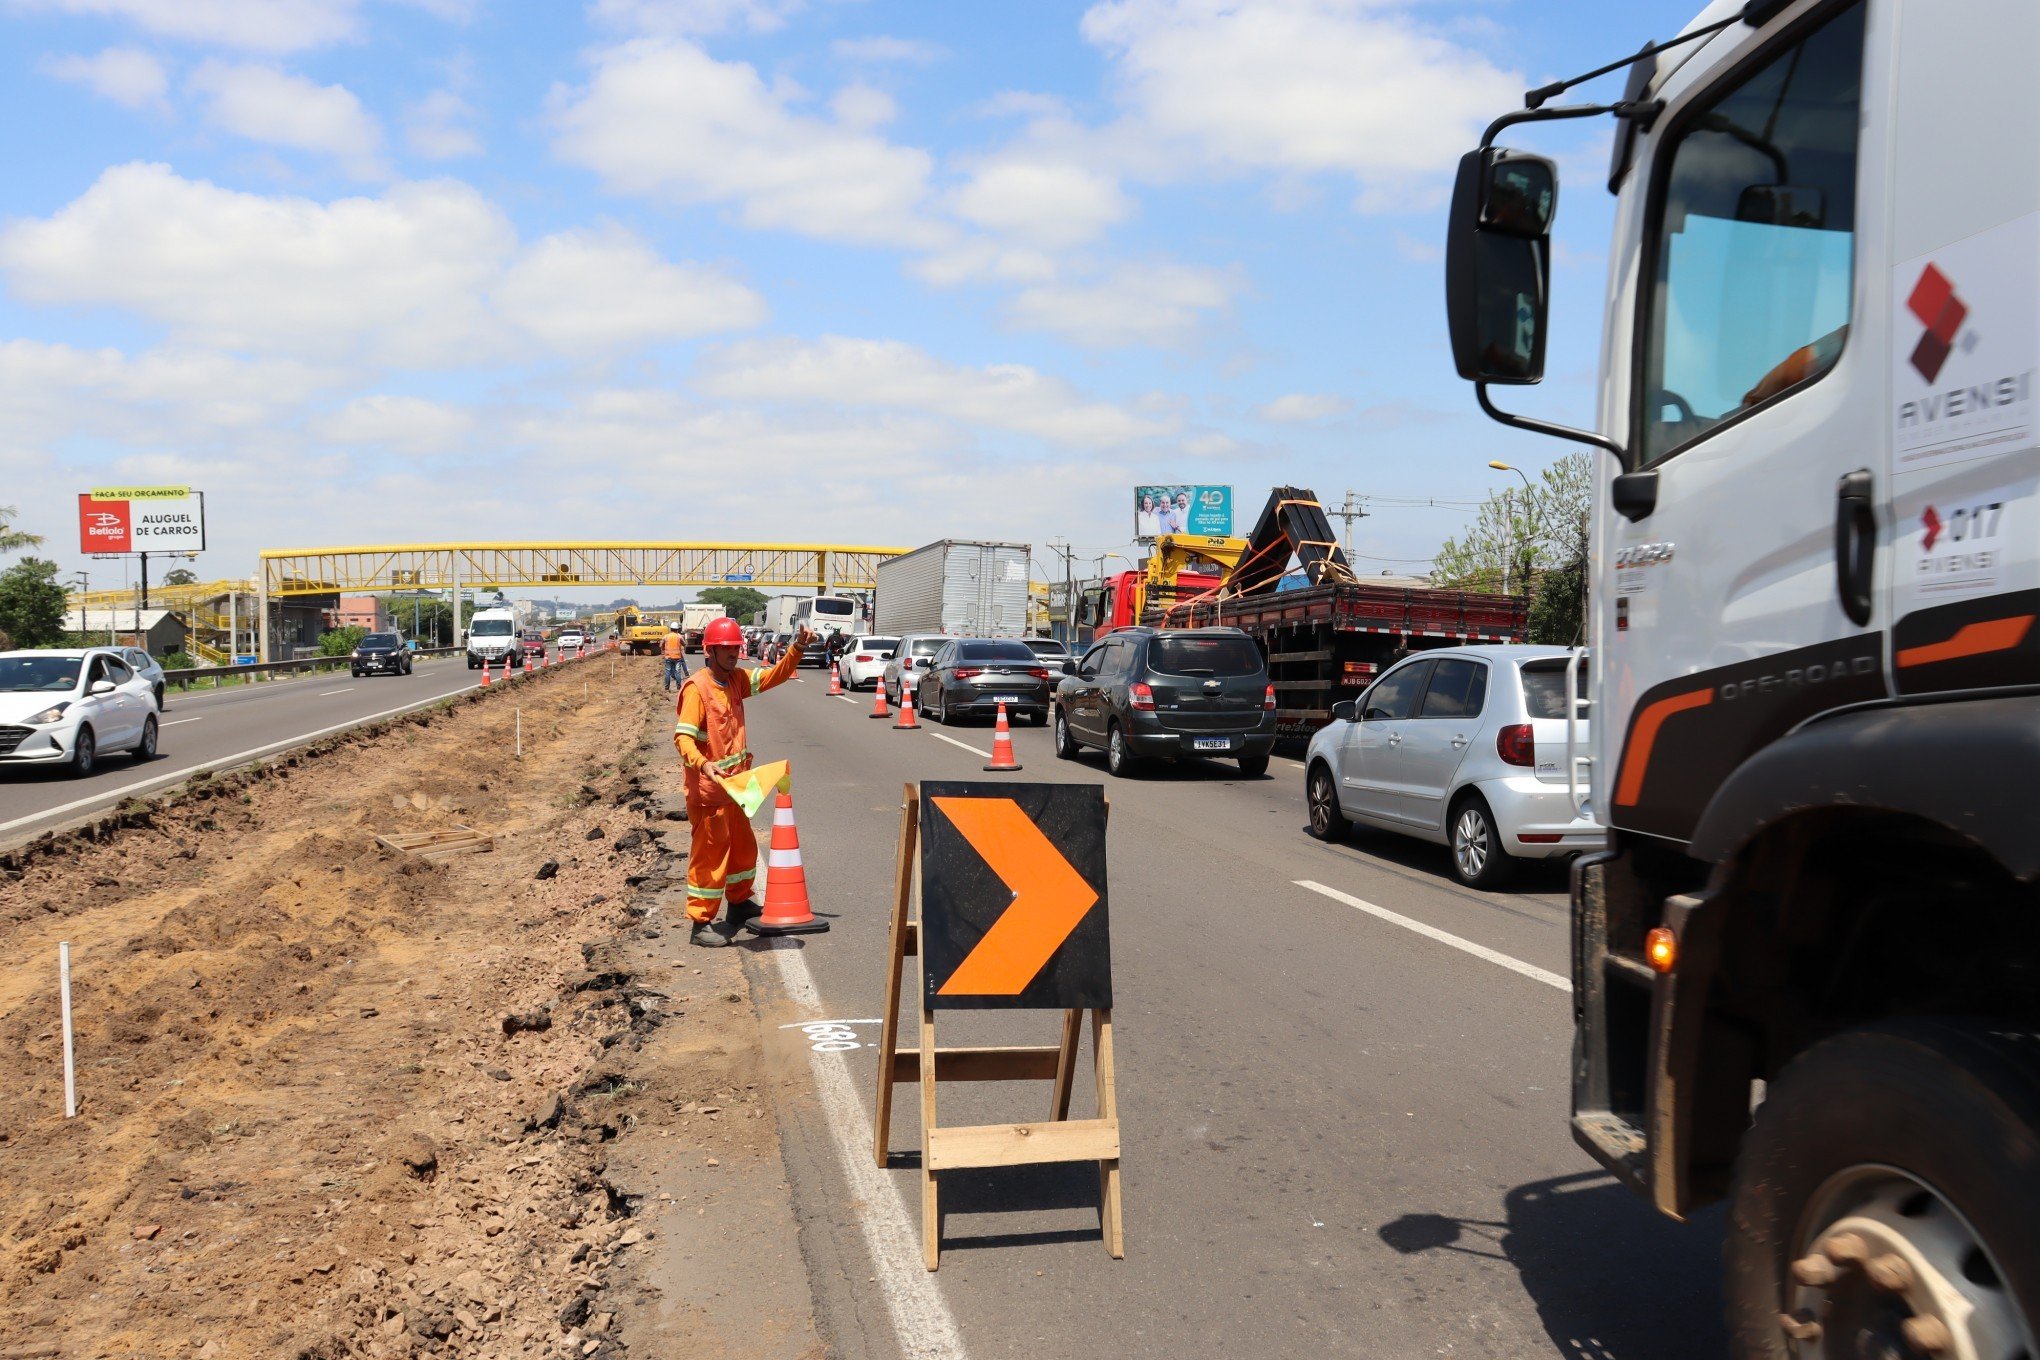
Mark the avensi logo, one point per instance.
(1934, 302)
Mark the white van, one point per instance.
(492, 635)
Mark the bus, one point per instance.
(825, 615)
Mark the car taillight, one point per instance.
(863, 658)
(1038, 672)
(1517, 745)
(1141, 696)
(1268, 700)
(968, 672)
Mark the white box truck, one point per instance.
(969, 589)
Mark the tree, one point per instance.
(183, 576)
(1529, 533)
(340, 641)
(11, 539)
(1558, 611)
(32, 604)
(740, 602)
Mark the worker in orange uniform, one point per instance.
(722, 858)
(675, 647)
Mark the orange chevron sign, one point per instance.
(1049, 897)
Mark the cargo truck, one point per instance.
(958, 587)
(1806, 971)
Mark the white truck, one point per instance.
(962, 588)
(491, 637)
(1806, 972)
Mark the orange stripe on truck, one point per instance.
(1636, 758)
(1972, 639)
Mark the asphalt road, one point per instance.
(217, 729)
(1341, 1135)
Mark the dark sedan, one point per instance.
(384, 652)
(969, 677)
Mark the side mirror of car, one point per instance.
(1069, 668)
(101, 687)
(1346, 710)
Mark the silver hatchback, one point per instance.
(1464, 747)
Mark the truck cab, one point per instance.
(492, 639)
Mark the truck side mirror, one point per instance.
(1498, 265)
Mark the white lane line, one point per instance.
(344, 689)
(963, 744)
(846, 698)
(1479, 951)
(1297, 763)
(221, 762)
(181, 721)
(920, 1316)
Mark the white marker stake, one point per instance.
(70, 1065)
(520, 734)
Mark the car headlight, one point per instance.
(48, 715)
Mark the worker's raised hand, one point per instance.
(804, 638)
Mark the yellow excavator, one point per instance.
(641, 634)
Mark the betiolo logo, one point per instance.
(1934, 302)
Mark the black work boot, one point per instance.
(712, 934)
(744, 912)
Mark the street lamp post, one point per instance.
(84, 601)
(1509, 516)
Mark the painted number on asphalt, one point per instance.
(831, 1036)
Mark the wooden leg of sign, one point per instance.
(1066, 1062)
(889, 1033)
(931, 1214)
(1108, 1109)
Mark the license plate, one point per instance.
(1211, 743)
(1007, 699)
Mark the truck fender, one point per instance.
(1967, 765)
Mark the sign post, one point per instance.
(1013, 917)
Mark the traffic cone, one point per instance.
(906, 721)
(786, 900)
(878, 708)
(485, 675)
(835, 682)
(1002, 744)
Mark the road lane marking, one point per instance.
(920, 1316)
(344, 689)
(1479, 951)
(181, 721)
(962, 744)
(220, 762)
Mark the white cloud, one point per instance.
(1043, 200)
(428, 275)
(862, 107)
(662, 118)
(1136, 304)
(408, 425)
(1417, 250)
(1021, 104)
(264, 104)
(246, 25)
(1301, 86)
(599, 291)
(128, 76)
(1304, 408)
(873, 50)
(437, 127)
(690, 17)
(893, 375)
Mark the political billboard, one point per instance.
(137, 519)
(1182, 508)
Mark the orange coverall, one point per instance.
(722, 856)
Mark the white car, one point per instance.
(66, 707)
(148, 668)
(572, 640)
(1463, 746)
(864, 661)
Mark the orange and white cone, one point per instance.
(1002, 744)
(786, 900)
(878, 708)
(485, 674)
(835, 681)
(907, 722)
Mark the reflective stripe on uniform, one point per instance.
(705, 893)
(744, 877)
(688, 730)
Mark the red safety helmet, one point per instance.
(722, 632)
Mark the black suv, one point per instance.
(381, 652)
(1169, 693)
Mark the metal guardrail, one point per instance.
(184, 676)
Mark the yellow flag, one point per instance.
(751, 788)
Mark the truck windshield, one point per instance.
(490, 628)
(1205, 656)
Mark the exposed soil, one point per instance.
(336, 1100)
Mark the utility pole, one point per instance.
(1349, 512)
(1069, 618)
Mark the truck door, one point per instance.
(1756, 407)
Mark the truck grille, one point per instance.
(11, 737)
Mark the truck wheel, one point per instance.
(1885, 1198)
(1065, 743)
(1327, 821)
(1478, 859)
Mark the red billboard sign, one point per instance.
(103, 526)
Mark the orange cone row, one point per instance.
(786, 897)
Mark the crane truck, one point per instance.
(1806, 970)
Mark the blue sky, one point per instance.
(371, 271)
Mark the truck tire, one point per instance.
(1920, 1139)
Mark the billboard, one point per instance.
(135, 519)
(1182, 509)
